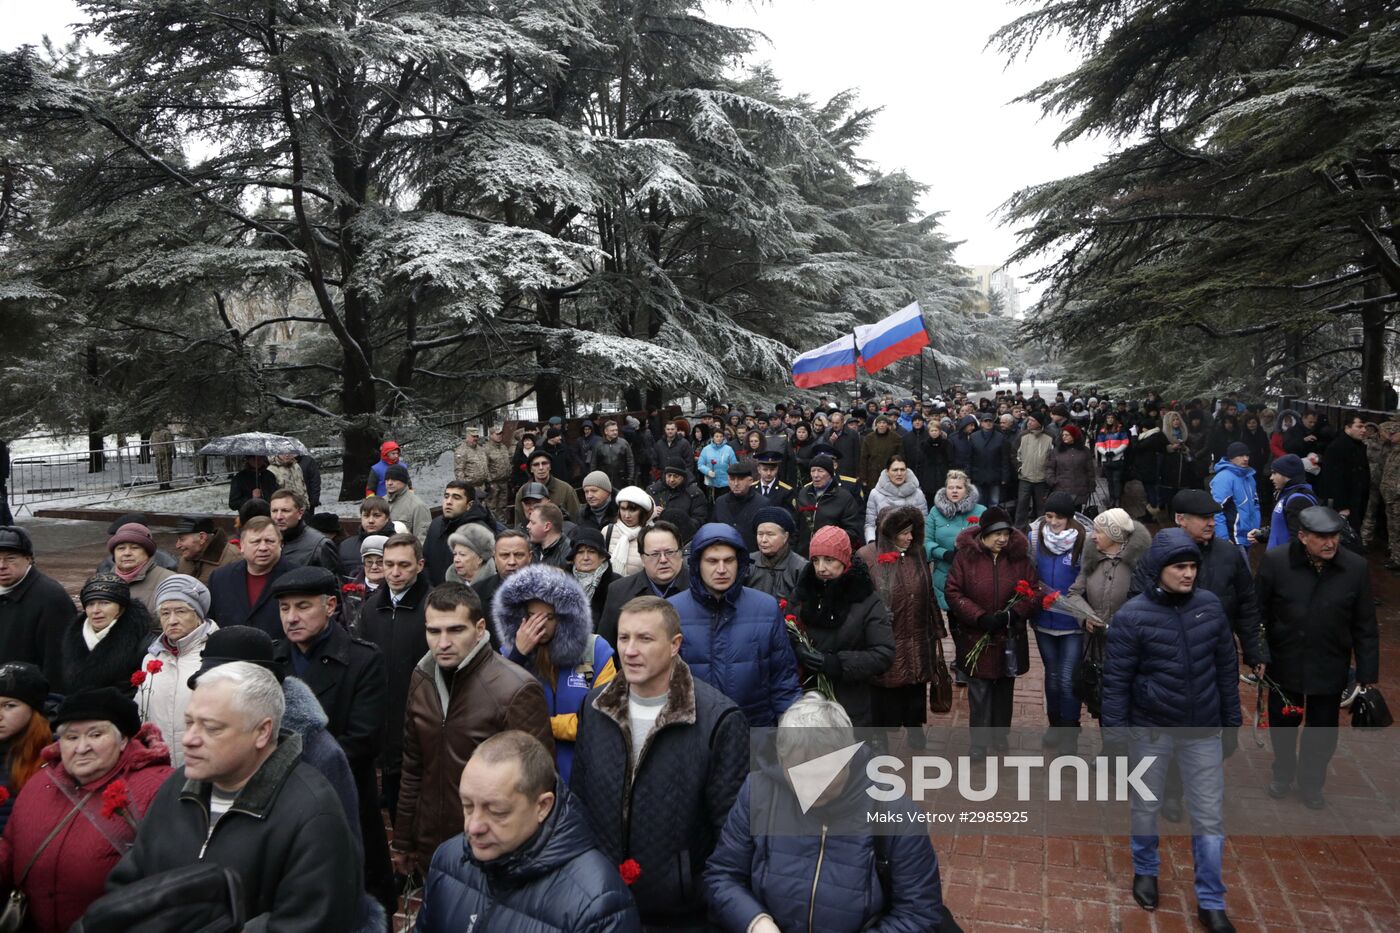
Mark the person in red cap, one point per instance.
(388, 456)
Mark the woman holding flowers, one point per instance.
(182, 608)
(1057, 541)
(844, 637)
(992, 590)
(901, 575)
(96, 784)
(105, 643)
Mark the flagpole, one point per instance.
(855, 366)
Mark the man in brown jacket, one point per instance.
(461, 694)
(203, 548)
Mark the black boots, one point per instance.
(1145, 891)
(1215, 920)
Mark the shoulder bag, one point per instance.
(12, 918)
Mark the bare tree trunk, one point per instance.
(1373, 343)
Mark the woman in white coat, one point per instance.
(182, 608)
(896, 487)
(623, 537)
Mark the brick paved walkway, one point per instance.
(994, 883)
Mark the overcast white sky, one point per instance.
(947, 117)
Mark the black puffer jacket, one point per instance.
(846, 621)
(117, 656)
(668, 814)
(556, 881)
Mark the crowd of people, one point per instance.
(546, 689)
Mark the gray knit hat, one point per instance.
(598, 478)
(373, 544)
(186, 589)
(474, 537)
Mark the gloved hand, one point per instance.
(809, 657)
(831, 666)
(998, 621)
(1229, 741)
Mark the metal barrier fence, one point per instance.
(112, 471)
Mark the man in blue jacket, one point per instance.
(735, 637)
(1237, 491)
(1171, 683)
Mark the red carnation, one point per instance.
(630, 871)
(1049, 599)
(4, 795)
(782, 604)
(889, 557)
(138, 678)
(974, 519)
(354, 589)
(790, 618)
(115, 798)
(154, 666)
(806, 508)
(1023, 588)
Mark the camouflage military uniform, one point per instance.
(498, 460)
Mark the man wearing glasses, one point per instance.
(663, 574)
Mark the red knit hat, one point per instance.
(1073, 432)
(833, 542)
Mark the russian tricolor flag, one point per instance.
(833, 362)
(897, 336)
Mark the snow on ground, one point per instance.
(213, 497)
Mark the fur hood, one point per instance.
(970, 544)
(882, 539)
(304, 714)
(964, 506)
(552, 586)
(828, 604)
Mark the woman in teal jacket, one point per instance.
(955, 506)
(714, 462)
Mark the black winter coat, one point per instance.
(285, 835)
(834, 505)
(117, 656)
(557, 881)
(848, 623)
(437, 556)
(347, 675)
(847, 445)
(399, 634)
(1170, 660)
(1346, 475)
(666, 815)
(228, 598)
(989, 458)
(623, 589)
(1317, 622)
(930, 459)
(687, 499)
(240, 488)
(33, 617)
(738, 514)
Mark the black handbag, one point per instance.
(1088, 674)
(199, 898)
(1370, 711)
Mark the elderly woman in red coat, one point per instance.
(901, 575)
(992, 590)
(96, 783)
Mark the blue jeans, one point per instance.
(1203, 777)
(1060, 653)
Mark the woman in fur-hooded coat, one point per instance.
(564, 655)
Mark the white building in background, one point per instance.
(987, 279)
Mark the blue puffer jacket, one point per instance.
(1057, 572)
(1235, 488)
(825, 881)
(738, 643)
(1171, 658)
(581, 660)
(557, 881)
